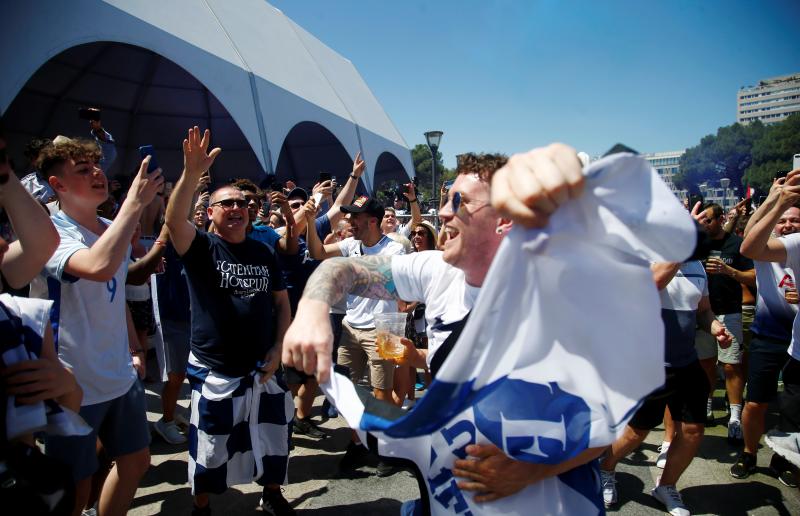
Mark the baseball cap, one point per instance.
(365, 204)
(298, 192)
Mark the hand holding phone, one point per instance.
(147, 150)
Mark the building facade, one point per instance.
(771, 101)
(667, 165)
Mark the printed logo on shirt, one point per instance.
(245, 280)
(549, 427)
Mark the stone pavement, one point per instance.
(315, 488)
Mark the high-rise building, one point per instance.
(771, 101)
(667, 165)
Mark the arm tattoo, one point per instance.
(365, 276)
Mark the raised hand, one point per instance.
(531, 186)
(196, 158)
(411, 191)
(358, 165)
(145, 185)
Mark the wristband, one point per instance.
(353, 177)
(413, 200)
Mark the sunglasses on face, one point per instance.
(295, 205)
(421, 232)
(227, 204)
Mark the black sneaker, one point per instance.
(744, 466)
(353, 457)
(384, 469)
(201, 511)
(784, 470)
(273, 502)
(308, 428)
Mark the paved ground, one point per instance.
(315, 489)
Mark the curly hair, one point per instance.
(483, 165)
(246, 185)
(54, 155)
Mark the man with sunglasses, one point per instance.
(239, 313)
(528, 188)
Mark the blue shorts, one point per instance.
(121, 425)
(176, 336)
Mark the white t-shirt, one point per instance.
(92, 331)
(425, 277)
(774, 315)
(792, 244)
(360, 310)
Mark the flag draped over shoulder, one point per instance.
(564, 341)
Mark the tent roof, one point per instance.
(244, 59)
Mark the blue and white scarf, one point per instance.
(21, 341)
(239, 430)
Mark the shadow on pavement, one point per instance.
(734, 500)
(172, 471)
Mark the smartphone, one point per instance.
(89, 114)
(796, 162)
(323, 176)
(147, 150)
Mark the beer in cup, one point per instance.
(391, 327)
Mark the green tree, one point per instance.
(772, 152)
(726, 154)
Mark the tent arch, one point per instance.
(308, 149)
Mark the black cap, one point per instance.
(364, 204)
(298, 192)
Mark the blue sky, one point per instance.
(511, 75)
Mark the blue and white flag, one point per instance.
(564, 341)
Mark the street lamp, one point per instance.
(724, 183)
(433, 138)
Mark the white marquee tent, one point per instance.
(277, 99)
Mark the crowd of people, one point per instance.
(257, 290)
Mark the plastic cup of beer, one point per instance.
(391, 327)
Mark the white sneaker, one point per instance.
(734, 431)
(671, 499)
(609, 482)
(169, 432)
(785, 444)
(661, 460)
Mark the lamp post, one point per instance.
(724, 183)
(433, 138)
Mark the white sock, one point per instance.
(736, 412)
(709, 404)
(664, 446)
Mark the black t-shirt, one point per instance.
(230, 289)
(725, 292)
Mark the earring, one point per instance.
(499, 231)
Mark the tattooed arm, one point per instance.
(308, 341)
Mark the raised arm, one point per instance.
(196, 160)
(101, 261)
(316, 248)
(288, 243)
(140, 271)
(758, 243)
(37, 237)
(308, 341)
(411, 197)
(345, 197)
